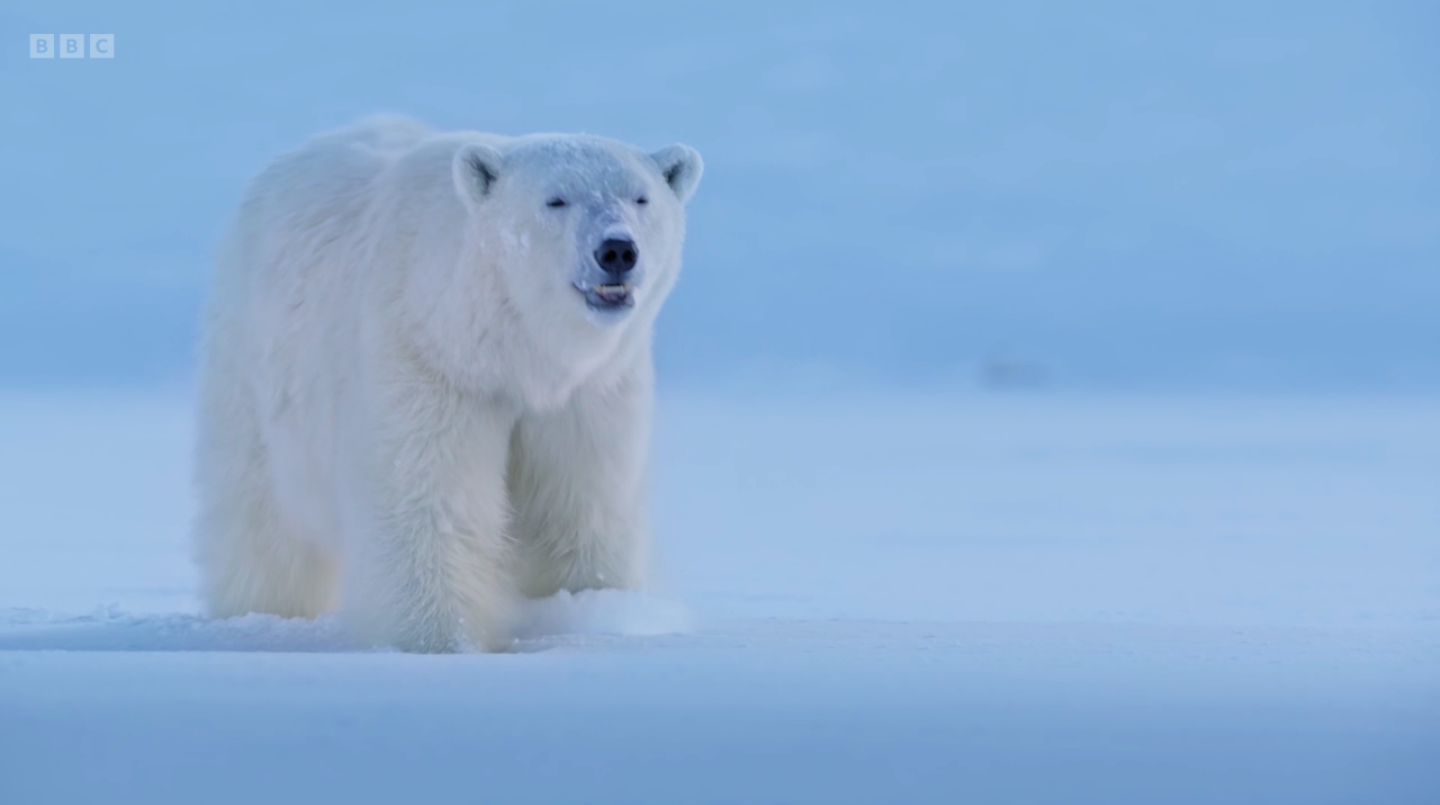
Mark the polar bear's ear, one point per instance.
(476, 169)
(681, 166)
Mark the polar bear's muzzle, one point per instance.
(614, 288)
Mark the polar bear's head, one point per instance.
(579, 227)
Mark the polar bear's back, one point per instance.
(325, 182)
(300, 223)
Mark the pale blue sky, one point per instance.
(1203, 194)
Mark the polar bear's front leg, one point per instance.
(577, 483)
(431, 570)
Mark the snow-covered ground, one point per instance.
(1003, 598)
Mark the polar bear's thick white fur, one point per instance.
(423, 394)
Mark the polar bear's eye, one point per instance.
(555, 202)
(642, 201)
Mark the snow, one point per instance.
(946, 598)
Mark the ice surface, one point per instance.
(922, 599)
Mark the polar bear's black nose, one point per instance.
(617, 256)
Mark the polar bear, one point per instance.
(426, 382)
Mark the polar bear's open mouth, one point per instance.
(614, 296)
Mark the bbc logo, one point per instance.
(71, 46)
